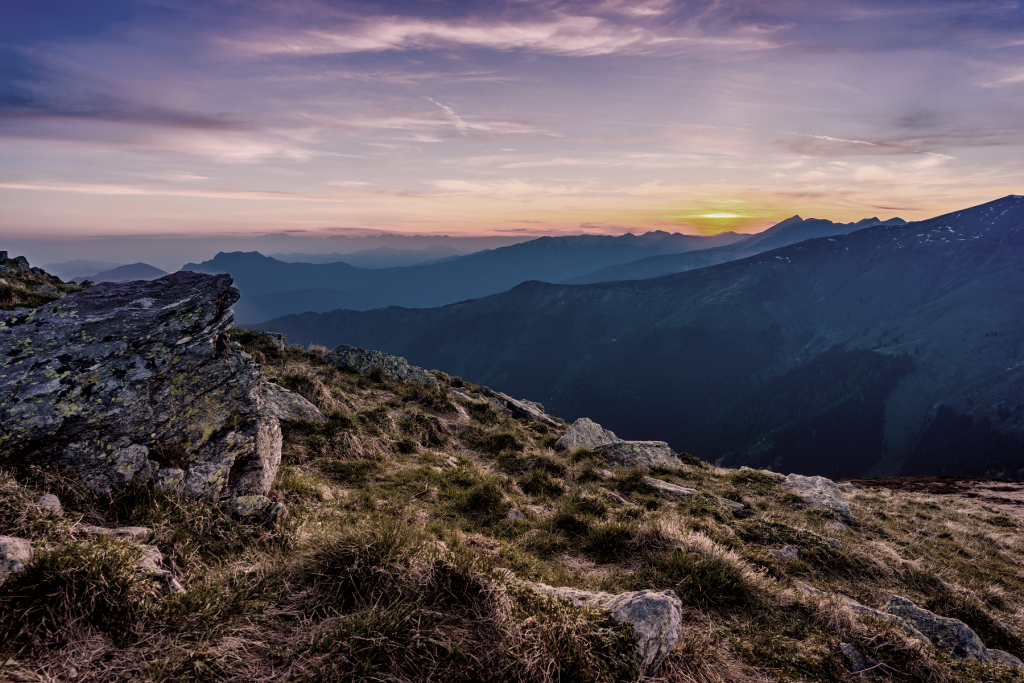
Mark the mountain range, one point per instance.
(789, 231)
(271, 288)
(888, 349)
(381, 257)
(133, 271)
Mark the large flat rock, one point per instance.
(97, 379)
(585, 433)
(639, 454)
(819, 493)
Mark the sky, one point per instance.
(165, 119)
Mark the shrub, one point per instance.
(703, 574)
(483, 499)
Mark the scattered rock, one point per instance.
(255, 509)
(863, 610)
(135, 534)
(585, 433)
(50, 503)
(151, 563)
(364, 361)
(836, 525)
(857, 661)
(655, 616)
(1006, 658)
(607, 474)
(287, 405)
(92, 379)
(739, 510)
(514, 514)
(639, 454)
(848, 486)
(819, 493)
(787, 553)
(669, 489)
(924, 532)
(524, 410)
(952, 636)
(15, 553)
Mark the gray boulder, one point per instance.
(819, 493)
(364, 361)
(287, 405)
(15, 553)
(93, 379)
(787, 553)
(952, 636)
(585, 433)
(639, 454)
(656, 617)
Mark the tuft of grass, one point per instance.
(609, 541)
(67, 589)
(539, 483)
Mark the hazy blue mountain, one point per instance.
(78, 268)
(789, 231)
(832, 355)
(134, 271)
(271, 288)
(381, 257)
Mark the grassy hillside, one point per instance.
(394, 562)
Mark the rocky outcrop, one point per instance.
(364, 361)
(819, 493)
(15, 553)
(655, 617)
(22, 286)
(640, 454)
(1006, 658)
(952, 636)
(97, 379)
(585, 433)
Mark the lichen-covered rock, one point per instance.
(585, 433)
(952, 636)
(24, 286)
(92, 379)
(857, 661)
(656, 617)
(255, 509)
(786, 553)
(15, 553)
(669, 489)
(287, 405)
(819, 493)
(364, 361)
(170, 478)
(640, 454)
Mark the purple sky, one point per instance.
(160, 117)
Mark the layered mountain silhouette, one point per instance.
(133, 271)
(892, 348)
(271, 288)
(789, 231)
(381, 257)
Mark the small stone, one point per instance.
(135, 534)
(607, 474)
(835, 544)
(278, 514)
(787, 553)
(857, 661)
(925, 533)
(672, 490)
(848, 486)
(170, 479)
(15, 553)
(245, 508)
(514, 514)
(453, 461)
(50, 503)
(836, 525)
(151, 562)
(287, 405)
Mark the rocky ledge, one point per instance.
(139, 381)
